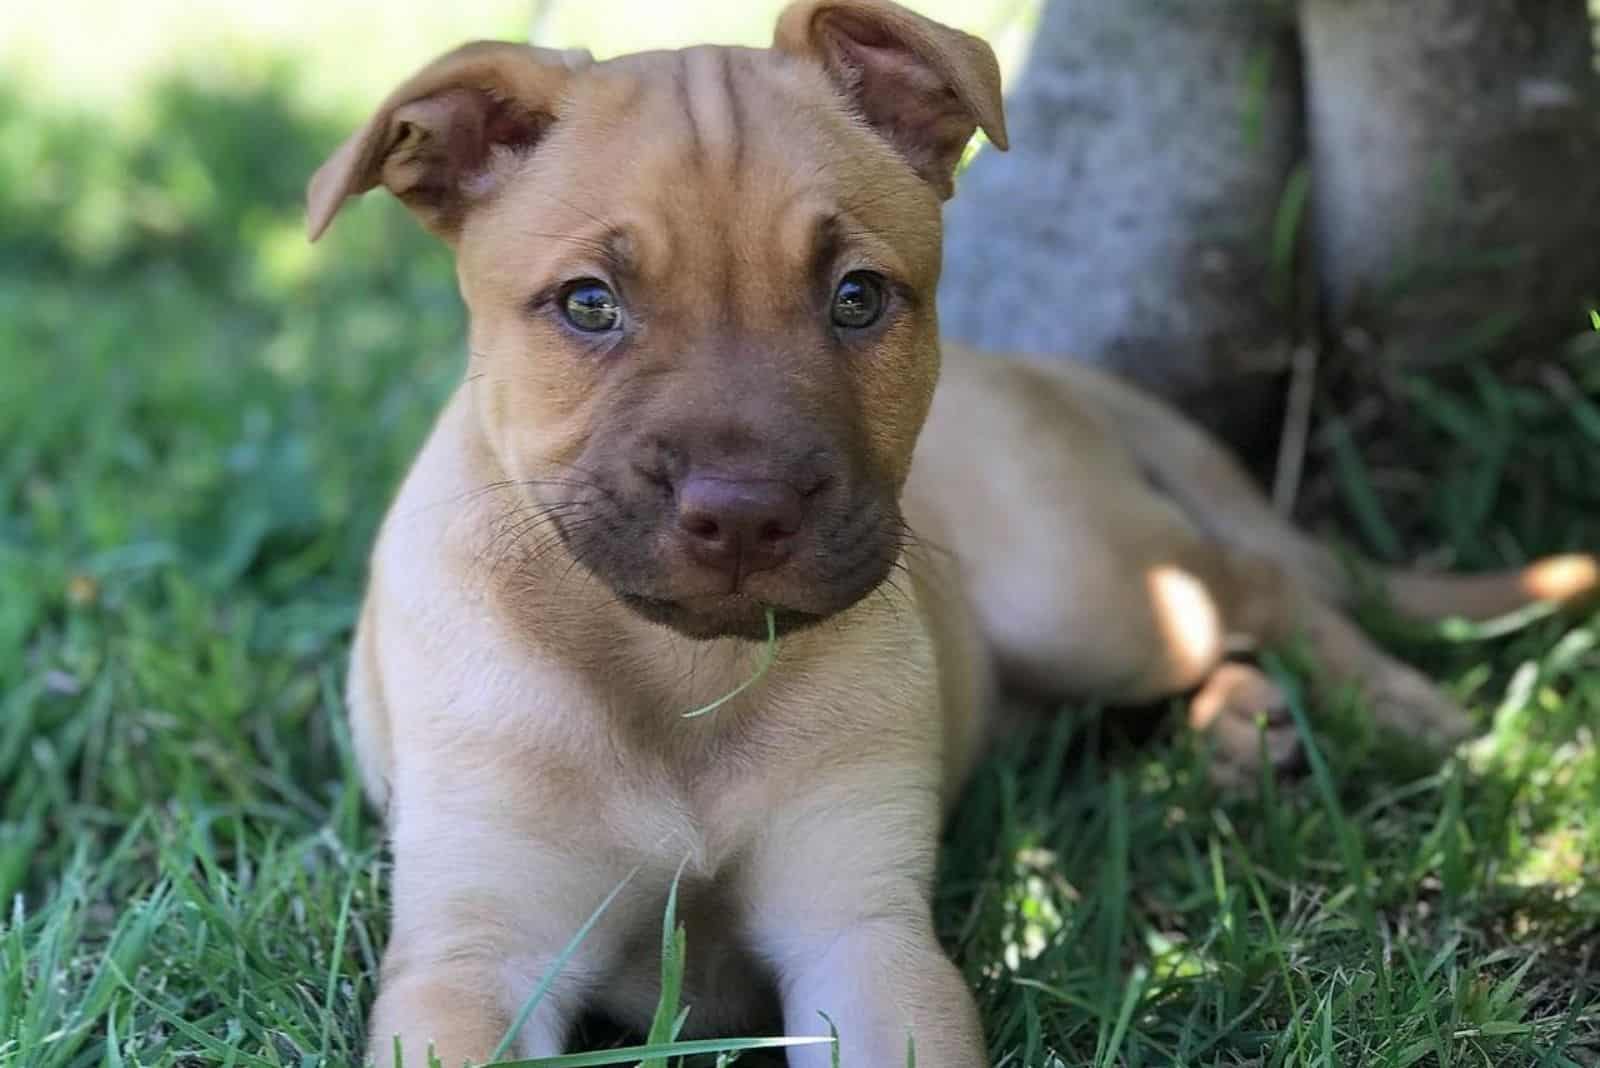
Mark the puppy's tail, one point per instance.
(1205, 481)
(1561, 580)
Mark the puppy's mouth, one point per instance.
(643, 560)
(732, 615)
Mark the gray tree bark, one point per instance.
(1456, 155)
(1132, 223)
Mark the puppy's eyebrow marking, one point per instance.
(833, 234)
(713, 114)
(686, 97)
(613, 250)
(827, 243)
(617, 251)
(735, 112)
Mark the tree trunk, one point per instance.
(1132, 224)
(1456, 155)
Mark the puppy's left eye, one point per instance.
(859, 301)
(589, 305)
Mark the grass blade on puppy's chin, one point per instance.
(833, 1035)
(767, 657)
(555, 968)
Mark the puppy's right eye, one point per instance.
(859, 301)
(589, 305)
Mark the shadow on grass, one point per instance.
(1110, 908)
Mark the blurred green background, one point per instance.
(129, 154)
(102, 52)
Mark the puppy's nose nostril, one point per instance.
(739, 526)
(702, 527)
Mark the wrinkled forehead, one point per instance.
(673, 158)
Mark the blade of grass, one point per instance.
(767, 657)
(633, 1054)
(1286, 226)
(1359, 494)
(1349, 844)
(1132, 993)
(334, 957)
(668, 1021)
(555, 969)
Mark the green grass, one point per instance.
(200, 423)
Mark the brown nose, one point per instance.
(739, 526)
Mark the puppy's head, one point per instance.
(701, 287)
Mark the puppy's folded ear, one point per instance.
(446, 138)
(923, 86)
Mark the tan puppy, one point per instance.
(702, 387)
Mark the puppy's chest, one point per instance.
(701, 803)
(705, 790)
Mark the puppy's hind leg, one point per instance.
(1195, 611)
(1246, 714)
(1131, 606)
(1275, 609)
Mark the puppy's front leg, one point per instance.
(480, 915)
(453, 1010)
(841, 912)
(884, 983)
(460, 1010)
